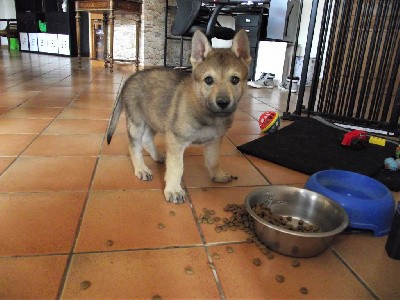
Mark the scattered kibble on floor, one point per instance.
(109, 243)
(295, 263)
(304, 291)
(161, 226)
(207, 217)
(215, 255)
(280, 278)
(211, 265)
(189, 270)
(171, 213)
(156, 297)
(229, 249)
(85, 284)
(257, 261)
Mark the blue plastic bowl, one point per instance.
(368, 203)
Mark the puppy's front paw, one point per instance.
(222, 177)
(175, 196)
(144, 174)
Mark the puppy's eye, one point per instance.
(235, 80)
(209, 80)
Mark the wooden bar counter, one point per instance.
(107, 8)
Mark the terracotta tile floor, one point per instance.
(76, 223)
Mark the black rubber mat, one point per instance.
(309, 145)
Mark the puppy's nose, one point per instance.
(223, 102)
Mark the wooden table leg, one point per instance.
(105, 39)
(78, 37)
(112, 17)
(137, 44)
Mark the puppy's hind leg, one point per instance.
(135, 134)
(148, 144)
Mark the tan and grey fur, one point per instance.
(194, 108)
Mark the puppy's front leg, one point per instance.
(211, 153)
(173, 191)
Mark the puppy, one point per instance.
(194, 108)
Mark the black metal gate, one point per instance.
(358, 58)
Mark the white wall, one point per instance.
(305, 20)
(271, 55)
(7, 11)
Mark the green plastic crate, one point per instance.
(14, 44)
(42, 26)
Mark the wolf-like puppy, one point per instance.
(194, 108)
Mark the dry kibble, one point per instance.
(156, 297)
(295, 263)
(171, 213)
(85, 284)
(262, 246)
(270, 255)
(230, 249)
(265, 251)
(211, 265)
(304, 291)
(215, 255)
(109, 243)
(161, 226)
(189, 270)
(264, 212)
(280, 278)
(257, 261)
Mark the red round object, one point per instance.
(266, 119)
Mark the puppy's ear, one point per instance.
(240, 46)
(200, 48)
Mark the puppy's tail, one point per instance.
(114, 118)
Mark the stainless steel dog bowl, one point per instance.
(300, 204)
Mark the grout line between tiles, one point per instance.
(203, 239)
(78, 227)
(363, 283)
(192, 246)
(70, 255)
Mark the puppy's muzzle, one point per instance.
(222, 106)
(223, 102)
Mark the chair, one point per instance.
(11, 30)
(192, 15)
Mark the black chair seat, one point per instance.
(223, 33)
(192, 15)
